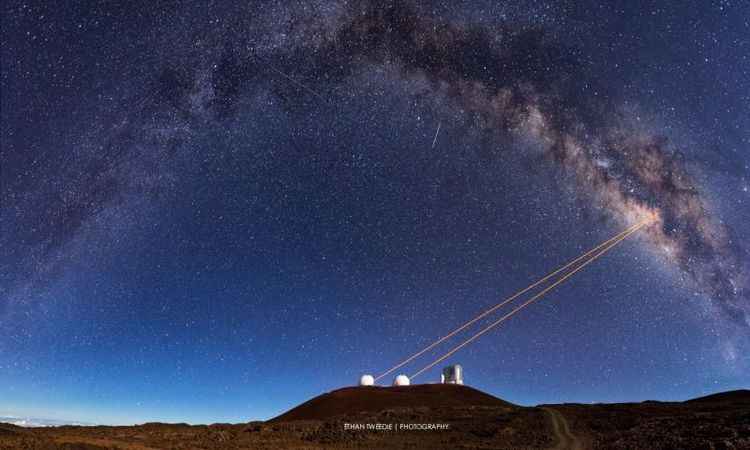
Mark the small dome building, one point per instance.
(401, 380)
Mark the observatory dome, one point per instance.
(401, 380)
(366, 380)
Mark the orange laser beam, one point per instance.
(505, 302)
(528, 302)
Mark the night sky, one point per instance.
(212, 213)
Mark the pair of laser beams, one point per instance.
(584, 260)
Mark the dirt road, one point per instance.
(565, 439)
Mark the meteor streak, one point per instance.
(529, 301)
(308, 89)
(511, 298)
(434, 141)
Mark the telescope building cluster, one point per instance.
(453, 374)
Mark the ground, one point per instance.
(716, 422)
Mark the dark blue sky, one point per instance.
(212, 214)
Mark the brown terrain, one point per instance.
(433, 417)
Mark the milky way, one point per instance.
(520, 81)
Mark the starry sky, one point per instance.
(212, 213)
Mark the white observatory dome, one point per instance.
(366, 380)
(401, 380)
